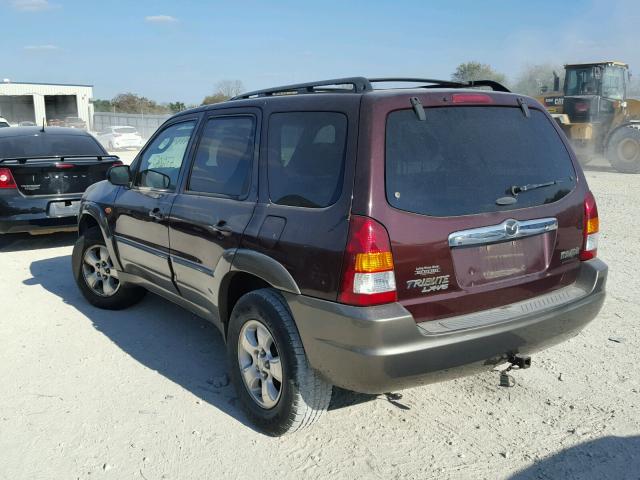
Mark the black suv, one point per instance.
(337, 234)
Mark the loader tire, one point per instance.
(623, 149)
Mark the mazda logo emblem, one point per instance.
(511, 227)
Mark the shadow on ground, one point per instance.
(18, 242)
(608, 458)
(164, 337)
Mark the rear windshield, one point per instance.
(462, 159)
(43, 144)
(124, 130)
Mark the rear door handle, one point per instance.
(221, 228)
(156, 214)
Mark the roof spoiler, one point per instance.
(61, 158)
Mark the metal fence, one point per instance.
(145, 124)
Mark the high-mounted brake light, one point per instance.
(367, 275)
(471, 98)
(591, 228)
(6, 179)
(64, 166)
(117, 163)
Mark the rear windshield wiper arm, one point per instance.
(516, 189)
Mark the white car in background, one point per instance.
(3, 122)
(120, 137)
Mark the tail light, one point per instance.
(6, 179)
(367, 274)
(590, 229)
(582, 107)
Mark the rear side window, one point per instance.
(306, 158)
(462, 159)
(223, 160)
(42, 144)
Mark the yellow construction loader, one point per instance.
(596, 115)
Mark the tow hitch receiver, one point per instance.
(515, 361)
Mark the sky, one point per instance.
(171, 50)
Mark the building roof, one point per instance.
(47, 84)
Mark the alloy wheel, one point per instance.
(98, 271)
(260, 365)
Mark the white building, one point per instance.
(35, 102)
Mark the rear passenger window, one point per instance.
(306, 158)
(223, 159)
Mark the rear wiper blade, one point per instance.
(516, 189)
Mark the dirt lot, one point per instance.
(143, 393)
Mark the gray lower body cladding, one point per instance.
(379, 349)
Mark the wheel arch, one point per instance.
(91, 215)
(251, 271)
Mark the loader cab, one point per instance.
(593, 92)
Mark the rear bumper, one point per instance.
(378, 349)
(19, 213)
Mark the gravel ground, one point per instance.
(143, 393)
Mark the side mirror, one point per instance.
(119, 175)
(154, 179)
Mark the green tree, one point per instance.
(215, 98)
(537, 79)
(133, 103)
(176, 107)
(465, 72)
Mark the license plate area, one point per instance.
(483, 264)
(65, 208)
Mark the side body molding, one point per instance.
(266, 268)
(93, 210)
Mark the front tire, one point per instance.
(623, 150)
(279, 391)
(96, 275)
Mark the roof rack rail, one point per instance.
(359, 85)
(362, 84)
(498, 87)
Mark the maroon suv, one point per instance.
(337, 234)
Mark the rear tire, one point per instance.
(623, 150)
(99, 284)
(261, 318)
